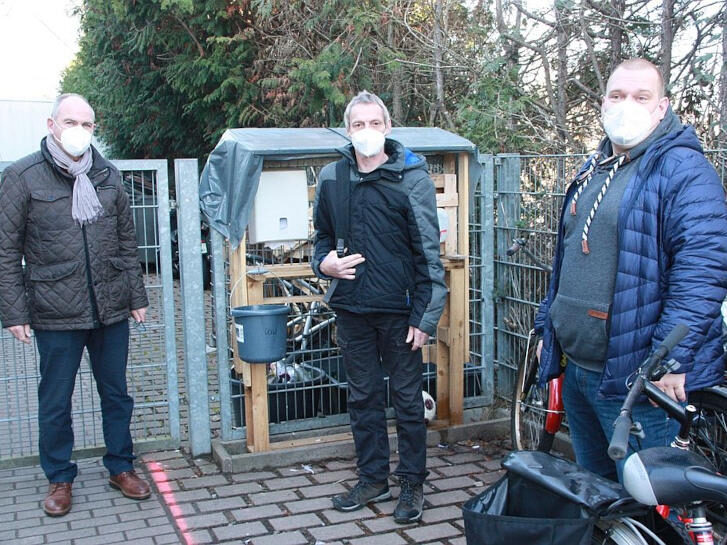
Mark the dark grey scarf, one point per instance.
(86, 207)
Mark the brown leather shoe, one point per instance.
(58, 501)
(131, 485)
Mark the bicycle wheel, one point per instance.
(709, 438)
(529, 405)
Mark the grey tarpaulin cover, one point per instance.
(232, 173)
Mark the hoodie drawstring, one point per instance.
(591, 215)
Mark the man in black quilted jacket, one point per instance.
(388, 294)
(64, 211)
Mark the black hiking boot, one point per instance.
(360, 495)
(411, 500)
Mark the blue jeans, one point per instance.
(590, 420)
(60, 357)
(373, 345)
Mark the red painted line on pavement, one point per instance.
(167, 493)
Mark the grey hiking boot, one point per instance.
(360, 495)
(411, 500)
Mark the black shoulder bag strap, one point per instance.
(343, 185)
(343, 219)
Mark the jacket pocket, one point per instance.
(55, 290)
(118, 290)
(581, 328)
(50, 210)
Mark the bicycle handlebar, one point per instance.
(622, 426)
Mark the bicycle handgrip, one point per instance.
(620, 439)
(674, 338)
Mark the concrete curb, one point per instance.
(232, 458)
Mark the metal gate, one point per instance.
(529, 193)
(152, 368)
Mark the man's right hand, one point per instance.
(341, 267)
(21, 332)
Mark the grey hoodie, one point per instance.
(581, 310)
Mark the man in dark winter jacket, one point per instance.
(64, 211)
(388, 293)
(642, 247)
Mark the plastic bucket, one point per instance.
(261, 332)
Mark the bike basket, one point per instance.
(541, 500)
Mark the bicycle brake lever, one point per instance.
(637, 430)
(663, 369)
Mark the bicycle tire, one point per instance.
(709, 438)
(529, 405)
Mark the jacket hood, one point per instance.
(400, 158)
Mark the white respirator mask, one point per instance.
(368, 142)
(76, 140)
(626, 123)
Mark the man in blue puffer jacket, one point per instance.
(388, 295)
(642, 247)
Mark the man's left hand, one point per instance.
(672, 384)
(416, 337)
(139, 315)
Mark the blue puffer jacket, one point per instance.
(672, 268)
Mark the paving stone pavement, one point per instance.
(193, 502)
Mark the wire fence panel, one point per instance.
(151, 371)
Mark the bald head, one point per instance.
(70, 100)
(642, 65)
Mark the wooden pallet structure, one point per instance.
(448, 353)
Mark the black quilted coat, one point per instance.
(74, 277)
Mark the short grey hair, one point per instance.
(364, 97)
(59, 100)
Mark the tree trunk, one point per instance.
(667, 39)
(397, 112)
(439, 106)
(561, 103)
(616, 33)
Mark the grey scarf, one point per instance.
(86, 207)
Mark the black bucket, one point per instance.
(261, 332)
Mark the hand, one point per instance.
(21, 332)
(341, 267)
(672, 384)
(539, 349)
(139, 315)
(416, 337)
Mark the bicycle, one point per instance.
(537, 412)
(595, 510)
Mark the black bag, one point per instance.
(541, 500)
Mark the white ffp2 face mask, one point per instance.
(627, 123)
(368, 142)
(76, 140)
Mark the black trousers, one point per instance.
(374, 345)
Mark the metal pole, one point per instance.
(487, 221)
(190, 265)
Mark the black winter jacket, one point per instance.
(74, 278)
(393, 224)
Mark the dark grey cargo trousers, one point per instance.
(374, 345)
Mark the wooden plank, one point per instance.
(447, 200)
(449, 163)
(442, 361)
(451, 244)
(293, 299)
(256, 396)
(285, 270)
(458, 344)
(443, 334)
(443, 181)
